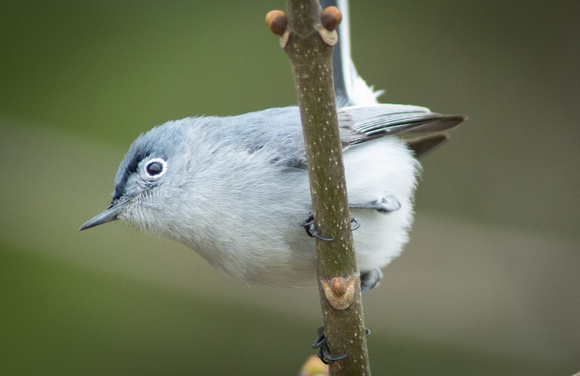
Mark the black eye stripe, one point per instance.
(130, 169)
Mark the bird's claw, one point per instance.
(311, 230)
(356, 223)
(324, 353)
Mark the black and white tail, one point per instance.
(352, 91)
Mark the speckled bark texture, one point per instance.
(310, 54)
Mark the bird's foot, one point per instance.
(324, 353)
(370, 279)
(311, 230)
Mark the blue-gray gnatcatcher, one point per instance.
(235, 189)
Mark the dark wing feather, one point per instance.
(362, 124)
(422, 145)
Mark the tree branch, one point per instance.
(308, 38)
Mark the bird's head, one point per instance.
(146, 178)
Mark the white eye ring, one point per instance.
(156, 168)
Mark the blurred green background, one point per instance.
(489, 284)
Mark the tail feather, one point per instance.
(360, 109)
(349, 87)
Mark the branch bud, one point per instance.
(339, 292)
(330, 18)
(276, 21)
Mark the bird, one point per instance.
(235, 189)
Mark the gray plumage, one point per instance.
(235, 189)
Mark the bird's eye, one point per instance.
(156, 167)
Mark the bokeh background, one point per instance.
(489, 284)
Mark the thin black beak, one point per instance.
(108, 215)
